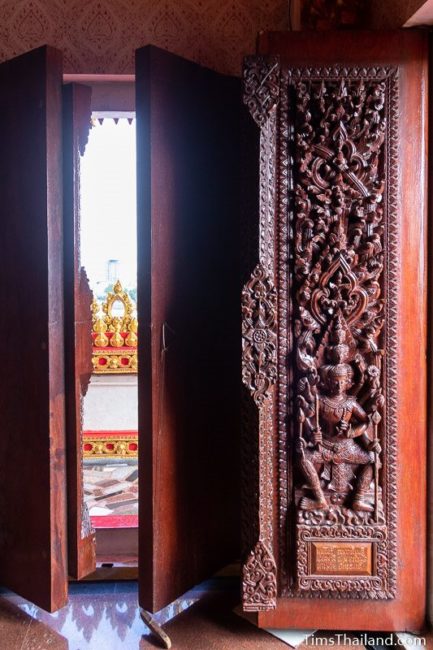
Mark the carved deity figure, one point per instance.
(339, 453)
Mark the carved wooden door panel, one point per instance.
(32, 458)
(189, 323)
(334, 326)
(78, 325)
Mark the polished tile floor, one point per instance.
(105, 616)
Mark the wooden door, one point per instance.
(189, 325)
(341, 543)
(32, 445)
(78, 326)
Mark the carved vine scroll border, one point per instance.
(285, 218)
(392, 236)
(259, 358)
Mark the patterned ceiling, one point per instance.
(100, 36)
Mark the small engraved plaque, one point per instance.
(341, 558)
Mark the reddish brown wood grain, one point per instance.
(430, 363)
(407, 50)
(189, 329)
(78, 327)
(32, 443)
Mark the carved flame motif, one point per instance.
(339, 289)
(259, 581)
(259, 359)
(339, 181)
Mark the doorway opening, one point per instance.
(110, 412)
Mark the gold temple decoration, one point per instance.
(114, 325)
(103, 444)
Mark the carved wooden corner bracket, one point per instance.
(261, 77)
(259, 580)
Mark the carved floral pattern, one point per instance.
(261, 86)
(259, 370)
(328, 212)
(259, 300)
(100, 36)
(343, 175)
(259, 581)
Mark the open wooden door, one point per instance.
(32, 446)
(78, 326)
(189, 323)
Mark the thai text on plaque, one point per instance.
(341, 558)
